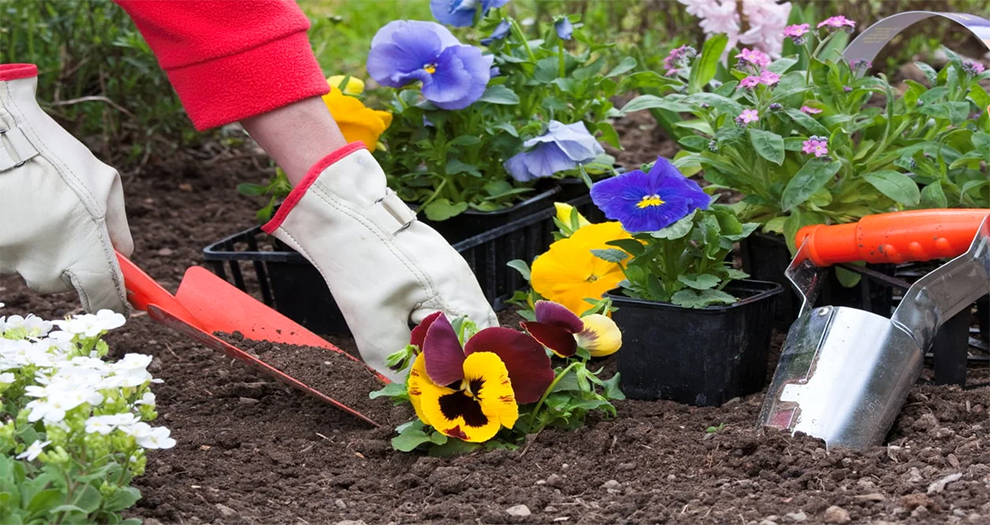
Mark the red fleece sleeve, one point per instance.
(230, 59)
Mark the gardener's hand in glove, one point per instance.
(383, 266)
(61, 209)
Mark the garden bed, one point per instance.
(252, 451)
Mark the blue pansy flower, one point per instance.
(501, 31)
(564, 28)
(453, 75)
(646, 202)
(461, 13)
(563, 147)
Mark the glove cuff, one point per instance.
(314, 173)
(17, 71)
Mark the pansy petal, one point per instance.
(386, 33)
(419, 385)
(557, 339)
(528, 365)
(488, 378)
(457, 13)
(517, 167)
(556, 314)
(419, 333)
(600, 337)
(442, 350)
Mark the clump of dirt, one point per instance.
(335, 374)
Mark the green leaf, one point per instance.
(89, 499)
(781, 65)
(794, 143)
(768, 145)
(455, 166)
(846, 278)
(895, 185)
(627, 64)
(612, 390)
(122, 499)
(810, 178)
(724, 104)
(678, 229)
(955, 112)
(932, 196)
(609, 134)
(652, 101)
(701, 282)
(734, 275)
(413, 436)
(443, 209)
(465, 140)
(693, 299)
(520, 266)
(43, 500)
(251, 190)
(453, 447)
(612, 255)
(507, 127)
(499, 94)
(697, 125)
(807, 122)
(694, 143)
(704, 68)
(631, 246)
(929, 72)
(389, 390)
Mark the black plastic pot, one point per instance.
(766, 257)
(472, 222)
(701, 357)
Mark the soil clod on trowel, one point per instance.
(331, 373)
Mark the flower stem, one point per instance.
(560, 56)
(517, 31)
(539, 404)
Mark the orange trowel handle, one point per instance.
(142, 291)
(918, 235)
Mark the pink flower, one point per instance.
(838, 22)
(754, 57)
(816, 145)
(748, 116)
(749, 82)
(973, 68)
(810, 110)
(769, 78)
(679, 56)
(796, 30)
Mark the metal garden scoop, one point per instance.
(844, 374)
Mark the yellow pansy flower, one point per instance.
(568, 273)
(356, 122)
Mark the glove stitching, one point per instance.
(421, 277)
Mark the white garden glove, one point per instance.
(61, 209)
(384, 268)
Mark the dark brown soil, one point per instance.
(334, 374)
(251, 450)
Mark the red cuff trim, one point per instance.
(311, 176)
(17, 71)
(256, 81)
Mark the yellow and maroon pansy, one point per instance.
(527, 364)
(558, 329)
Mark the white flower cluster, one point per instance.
(766, 19)
(66, 384)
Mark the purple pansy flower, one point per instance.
(453, 75)
(461, 13)
(754, 57)
(563, 147)
(564, 28)
(646, 202)
(748, 116)
(501, 31)
(816, 145)
(838, 22)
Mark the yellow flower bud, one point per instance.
(355, 86)
(356, 122)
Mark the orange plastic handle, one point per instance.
(142, 291)
(897, 237)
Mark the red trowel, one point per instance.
(206, 304)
